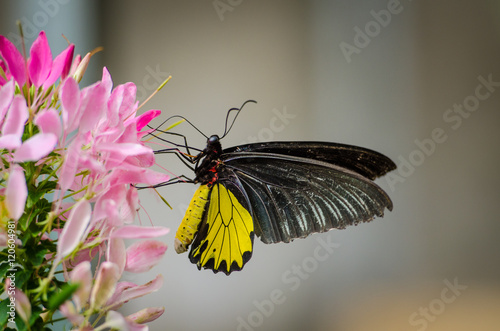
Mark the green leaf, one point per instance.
(3, 268)
(21, 326)
(35, 319)
(39, 209)
(33, 198)
(36, 254)
(25, 220)
(4, 317)
(49, 186)
(58, 299)
(22, 276)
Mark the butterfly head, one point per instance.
(213, 144)
(213, 139)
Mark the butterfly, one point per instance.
(277, 191)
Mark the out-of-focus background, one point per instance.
(416, 80)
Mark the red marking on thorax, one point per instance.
(216, 175)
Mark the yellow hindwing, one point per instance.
(226, 241)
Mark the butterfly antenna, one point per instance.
(238, 110)
(181, 117)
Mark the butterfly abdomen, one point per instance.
(192, 218)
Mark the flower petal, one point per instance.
(115, 321)
(146, 315)
(119, 152)
(70, 165)
(92, 106)
(23, 305)
(81, 67)
(6, 96)
(120, 287)
(122, 103)
(4, 241)
(82, 255)
(139, 291)
(49, 122)
(139, 232)
(74, 229)
(16, 192)
(143, 255)
(36, 147)
(70, 102)
(116, 253)
(75, 64)
(105, 285)
(107, 204)
(14, 60)
(61, 66)
(5, 73)
(40, 63)
(106, 80)
(69, 311)
(137, 175)
(10, 141)
(132, 204)
(82, 275)
(145, 118)
(125, 149)
(13, 126)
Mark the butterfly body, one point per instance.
(278, 191)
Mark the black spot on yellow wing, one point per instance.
(191, 221)
(225, 238)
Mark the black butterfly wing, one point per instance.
(292, 196)
(364, 161)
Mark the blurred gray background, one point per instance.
(416, 80)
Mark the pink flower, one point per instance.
(69, 311)
(74, 229)
(83, 255)
(136, 232)
(4, 239)
(36, 147)
(82, 275)
(49, 122)
(40, 62)
(116, 253)
(13, 125)
(107, 141)
(41, 70)
(3, 67)
(105, 283)
(16, 192)
(70, 103)
(116, 321)
(14, 60)
(22, 303)
(146, 315)
(84, 156)
(143, 255)
(33, 149)
(126, 291)
(145, 118)
(6, 96)
(80, 66)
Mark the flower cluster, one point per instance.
(71, 157)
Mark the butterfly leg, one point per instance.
(176, 180)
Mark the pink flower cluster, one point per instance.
(91, 137)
